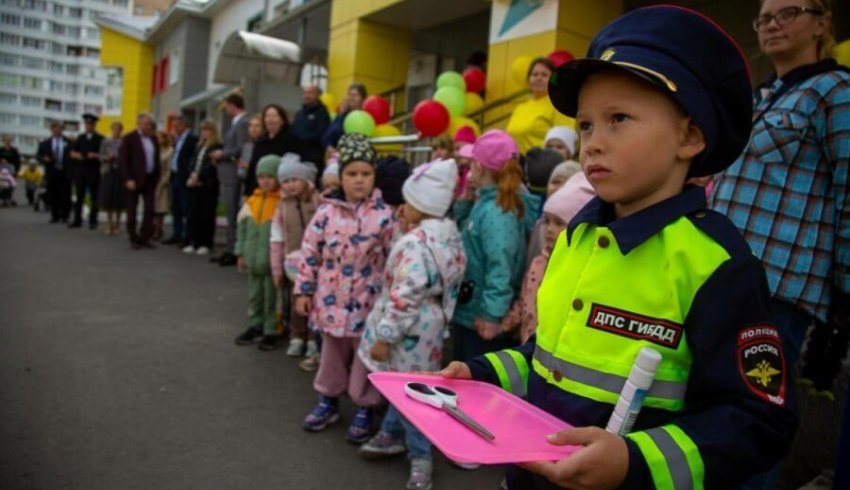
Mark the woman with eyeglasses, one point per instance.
(788, 191)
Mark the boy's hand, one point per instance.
(487, 330)
(456, 370)
(602, 463)
(380, 351)
(303, 305)
(240, 263)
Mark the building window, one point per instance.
(7, 80)
(34, 121)
(58, 29)
(9, 59)
(92, 53)
(72, 69)
(8, 98)
(72, 107)
(114, 91)
(71, 88)
(53, 105)
(34, 43)
(73, 32)
(75, 50)
(75, 12)
(71, 126)
(92, 33)
(6, 118)
(93, 90)
(56, 86)
(97, 109)
(58, 9)
(121, 3)
(34, 24)
(35, 63)
(31, 82)
(27, 101)
(10, 39)
(57, 67)
(35, 5)
(10, 19)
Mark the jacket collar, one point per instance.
(635, 229)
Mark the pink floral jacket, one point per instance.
(523, 313)
(342, 262)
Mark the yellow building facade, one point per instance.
(136, 60)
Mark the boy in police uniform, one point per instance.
(664, 95)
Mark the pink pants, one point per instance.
(340, 370)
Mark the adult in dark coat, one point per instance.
(311, 122)
(10, 154)
(276, 140)
(227, 166)
(85, 156)
(55, 154)
(185, 144)
(138, 159)
(353, 100)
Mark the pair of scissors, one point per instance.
(446, 400)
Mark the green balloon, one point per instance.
(453, 99)
(451, 79)
(359, 122)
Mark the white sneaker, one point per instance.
(202, 251)
(188, 249)
(312, 349)
(296, 348)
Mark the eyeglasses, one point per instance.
(783, 17)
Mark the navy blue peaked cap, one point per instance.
(687, 56)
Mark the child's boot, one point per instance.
(382, 445)
(325, 413)
(312, 349)
(271, 342)
(361, 426)
(420, 474)
(296, 348)
(249, 336)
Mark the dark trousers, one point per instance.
(467, 345)
(59, 194)
(86, 180)
(146, 194)
(203, 202)
(179, 207)
(30, 195)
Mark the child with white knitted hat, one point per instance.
(405, 330)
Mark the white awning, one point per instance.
(201, 98)
(243, 52)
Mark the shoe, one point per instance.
(465, 466)
(361, 427)
(296, 348)
(420, 474)
(227, 260)
(325, 414)
(188, 249)
(310, 364)
(216, 258)
(271, 342)
(312, 349)
(382, 445)
(172, 241)
(249, 336)
(202, 251)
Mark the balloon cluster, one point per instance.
(371, 121)
(456, 97)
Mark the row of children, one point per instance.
(381, 275)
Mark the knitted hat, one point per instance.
(354, 147)
(564, 133)
(539, 164)
(331, 169)
(567, 201)
(431, 187)
(390, 174)
(268, 165)
(565, 170)
(465, 134)
(494, 148)
(291, 167)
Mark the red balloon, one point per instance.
(378, 107)
(430, 117)
(475, 79)
(560, 57)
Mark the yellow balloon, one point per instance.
(473, 102)
(459, 122)
(519, 69)
(387, 130)
(329, 101)
(842, 53)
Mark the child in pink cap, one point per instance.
(558, 210)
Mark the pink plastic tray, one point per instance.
(520, 428)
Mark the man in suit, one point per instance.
(55, 154)
(311, 122)
(228, 171)
(185, 144)
(138, 159)
(85, 156)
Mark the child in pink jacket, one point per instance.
(559, 209)
(340, 276)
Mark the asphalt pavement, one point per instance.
(118, 371)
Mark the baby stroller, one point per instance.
(40, 200)
(7, 187)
